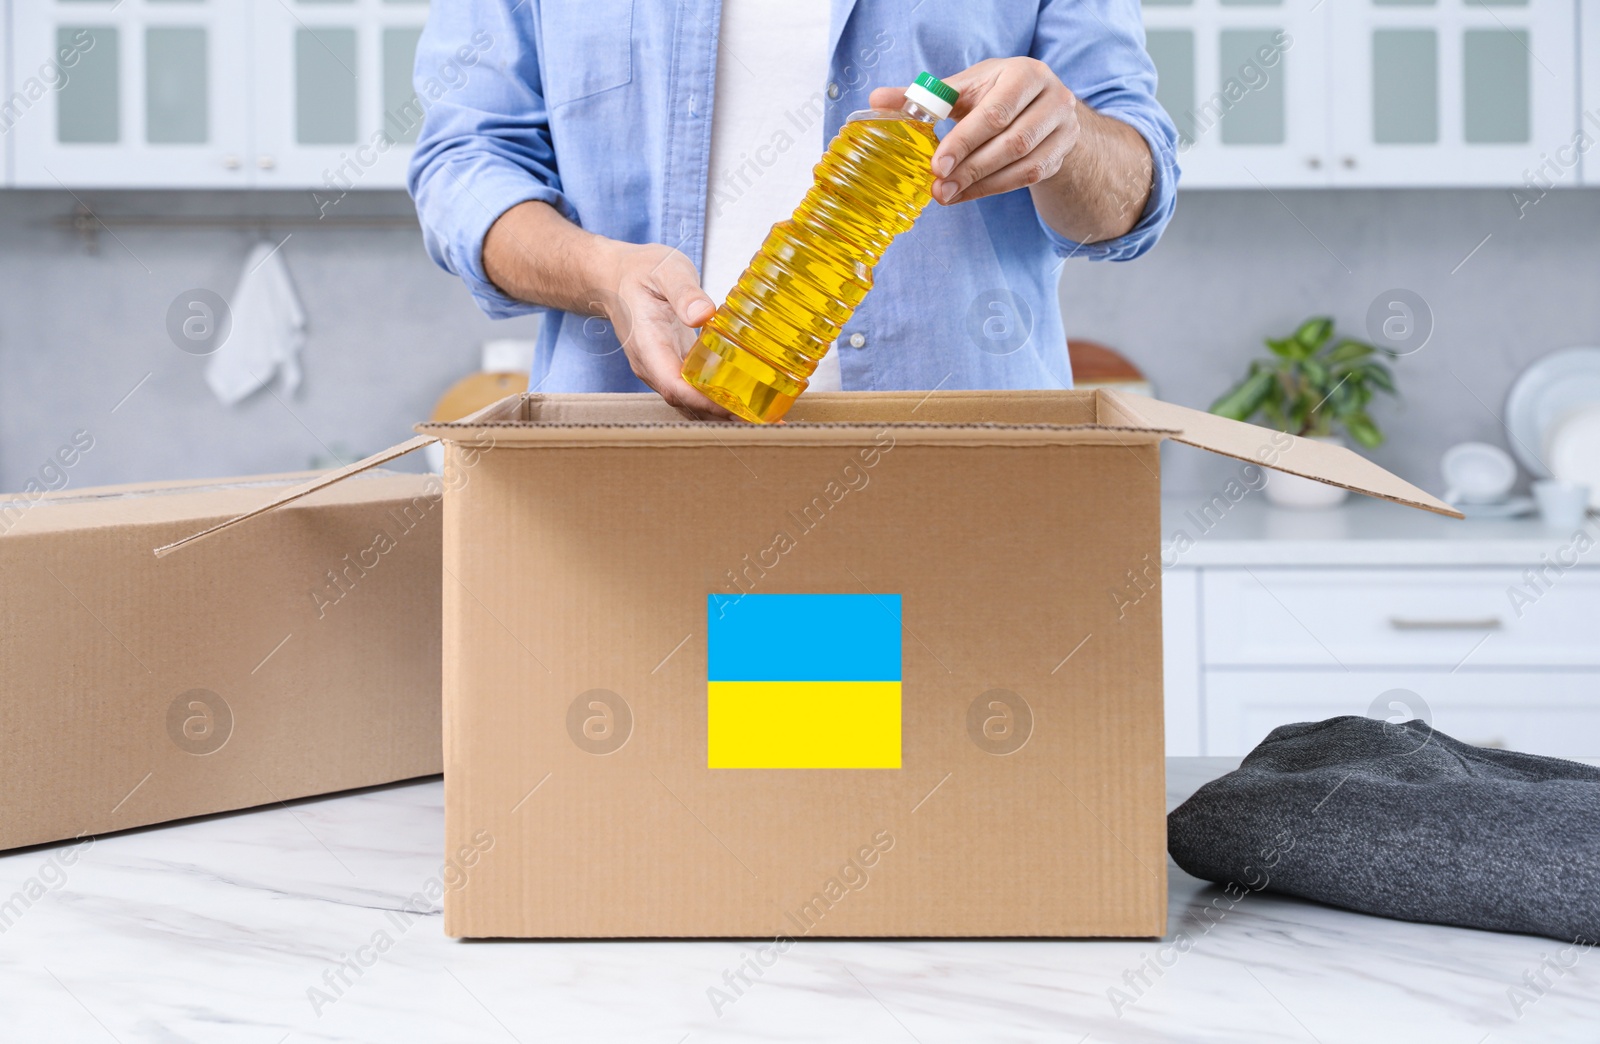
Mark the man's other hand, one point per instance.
(655, 305)
(650, 294)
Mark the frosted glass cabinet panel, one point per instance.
(129, 93)
(212, 93)
(1405, 87)
(399, 99)
(177, 92)
(1449, 92)
(333, 99)
(1375, 92)
(325, 88)
(1244, 81)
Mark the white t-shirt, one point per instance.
(766, 135)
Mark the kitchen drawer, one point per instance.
(1538, 712)
(1401, 617)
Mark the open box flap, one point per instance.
(643, 420)
(1307, 458)
(304, 489)
(950, 419)
(490, 414)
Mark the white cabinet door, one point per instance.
(1536, 712)
(333, 101)
(7, 100)
(129, 93)
(1589, 78)
(1446, 618)
(1245, 82)
(1451, 92)
(1180, 672)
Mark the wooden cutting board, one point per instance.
(475, 391)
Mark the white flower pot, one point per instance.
(1292, 491)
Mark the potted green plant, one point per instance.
(1313, 385)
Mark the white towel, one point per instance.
(268, 331)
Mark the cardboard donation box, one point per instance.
(867, 673)
(300, 657)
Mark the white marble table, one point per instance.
(218, 929)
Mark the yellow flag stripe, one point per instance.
(803, 725)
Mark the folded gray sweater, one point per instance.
(1402, 821)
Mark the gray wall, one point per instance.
(388, 331)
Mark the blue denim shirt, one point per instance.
(603, 110)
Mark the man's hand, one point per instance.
(1015, 124)
(650, 294)
(655, 307)
(1018, 125)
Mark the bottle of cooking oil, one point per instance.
(755, 356)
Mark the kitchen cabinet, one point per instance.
(334, 108)
(1454, 92)
(135, 93)
(1180, 660)
(1589, 96)
(1435, 617)
(9, 104)
(217, 93)
(1489, 629)
(1369, 92)
(1545, 712)
(1246, 85)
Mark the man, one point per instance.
(600, 156)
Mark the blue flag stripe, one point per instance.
(803, 637)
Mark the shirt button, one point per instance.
(833, 90)
(858, 340)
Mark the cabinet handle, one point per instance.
(231, 162)
(1482, 623)
(1314, 162)
(1349, 163)
(266, 162)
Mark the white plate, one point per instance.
(1572, 449)
(1557, 385)
(1477, 473)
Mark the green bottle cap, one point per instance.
(937, 87)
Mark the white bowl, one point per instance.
(1292, 491)
(1477, 473)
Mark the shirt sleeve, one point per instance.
(484, 145)
(1097, 48)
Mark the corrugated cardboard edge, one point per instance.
(1320, 461)
(305, 489)
(697, 433)
(507, 407)
(1119, 421)
(162, 487)
(500, 423)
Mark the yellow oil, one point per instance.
(756, 355)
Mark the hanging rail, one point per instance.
(88, 224)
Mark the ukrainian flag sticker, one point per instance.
(803, 681)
